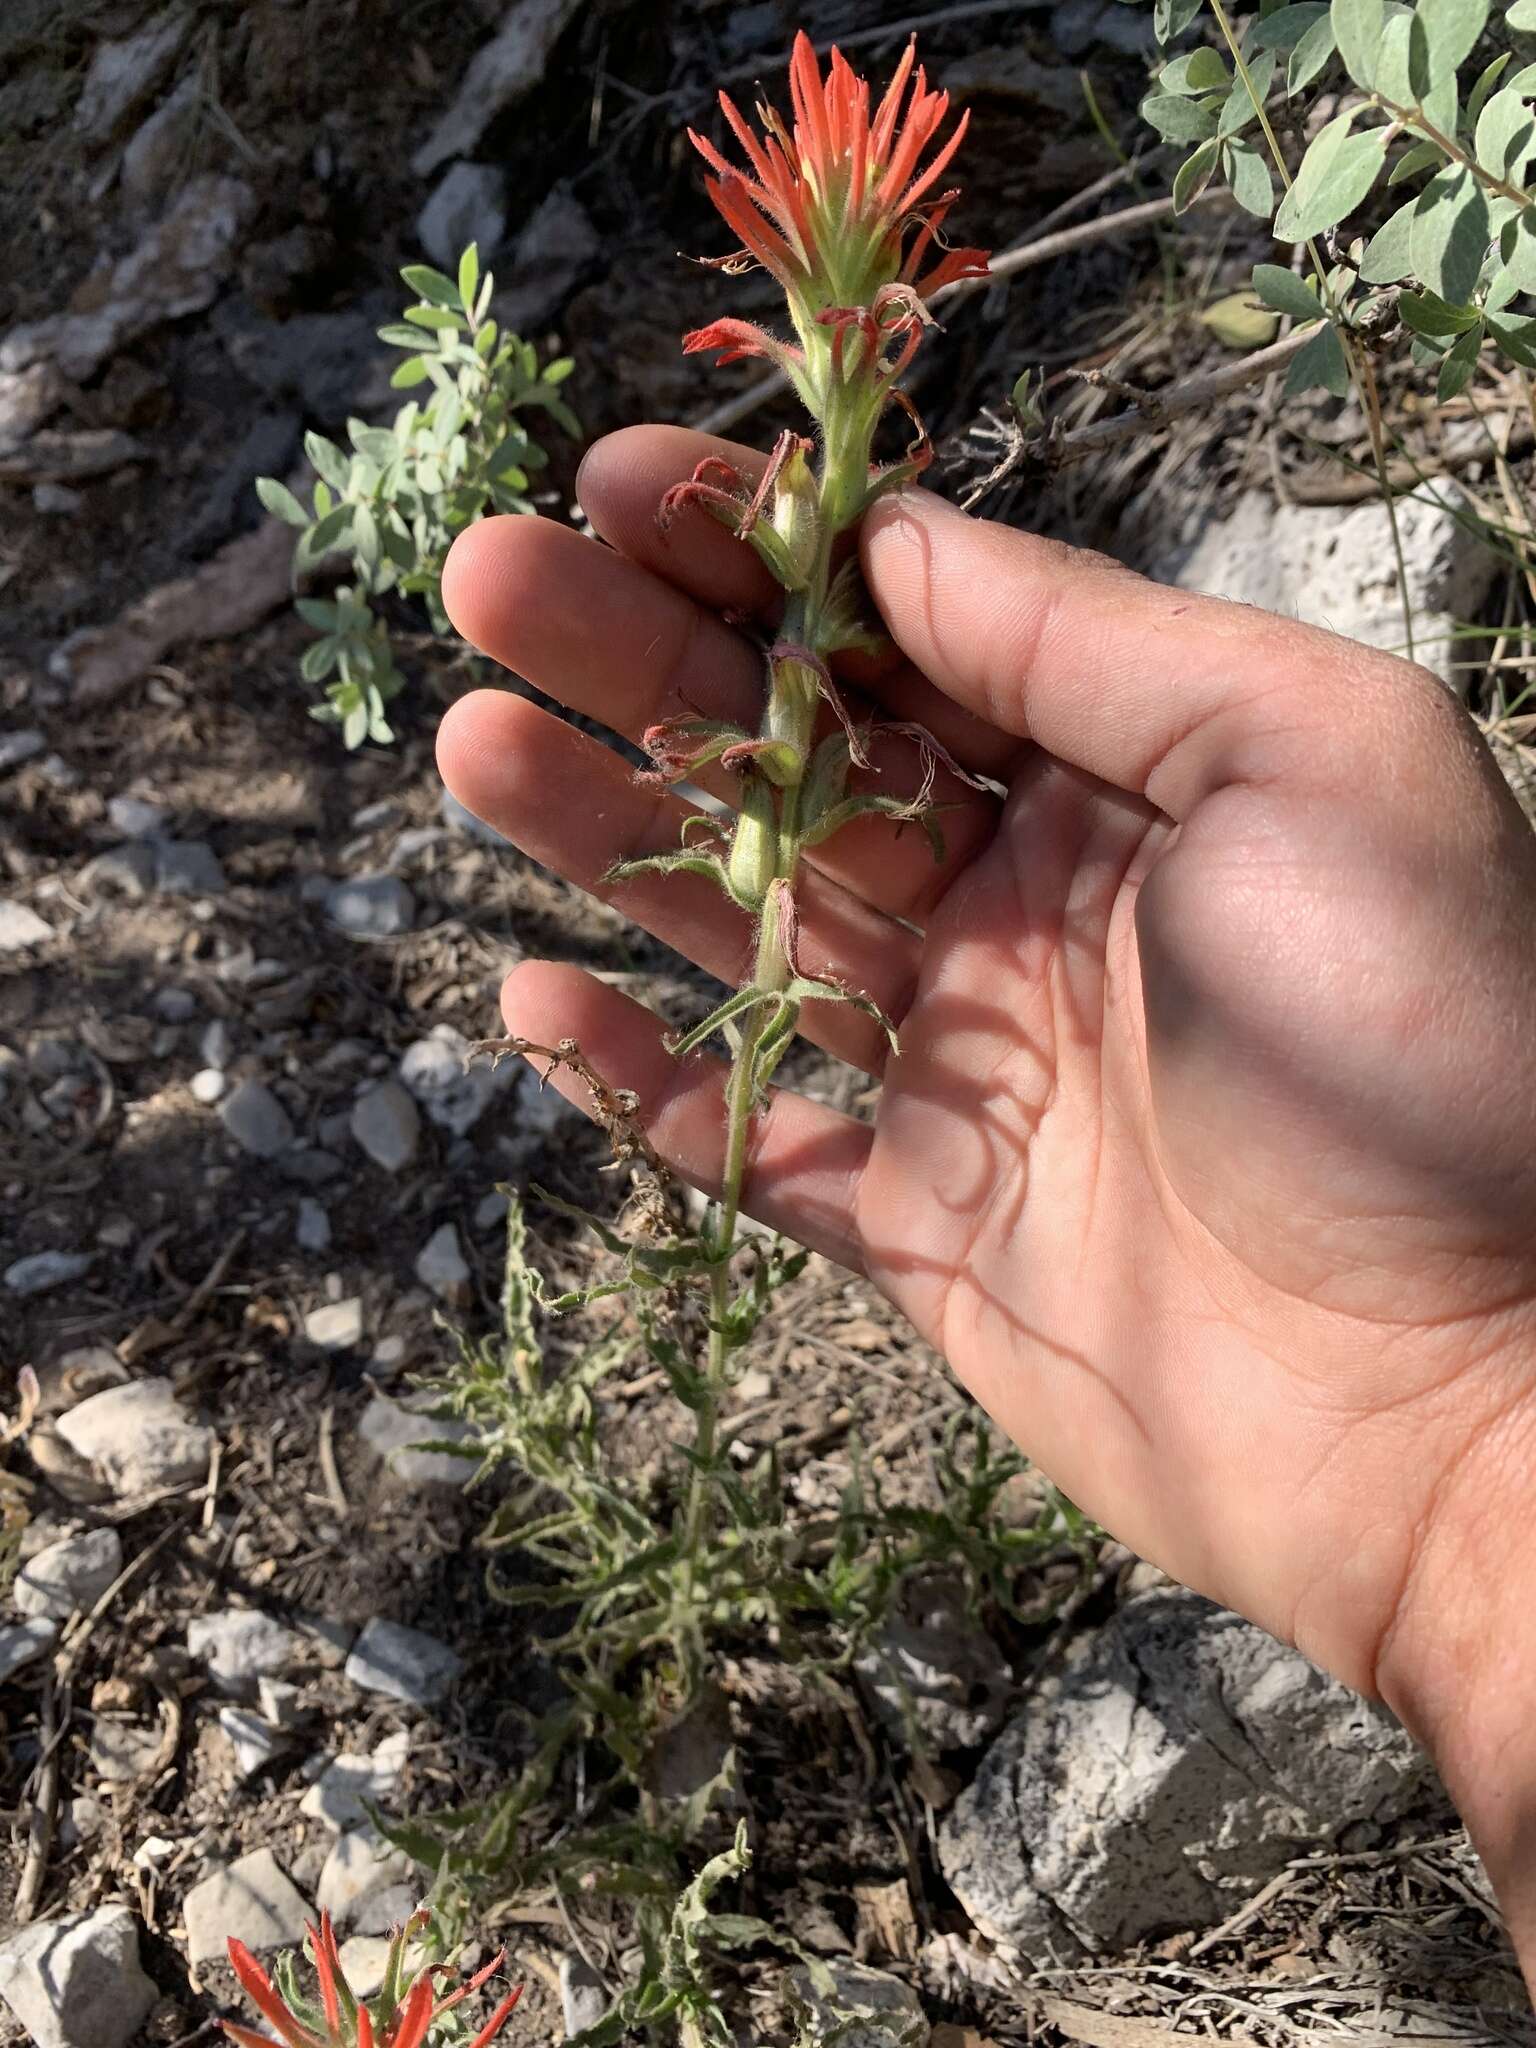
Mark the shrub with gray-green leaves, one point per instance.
(1411, 201)
(396, 500)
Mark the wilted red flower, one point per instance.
(402, 2015)
(836, 207)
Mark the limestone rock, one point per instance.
(68, 1575)
(1175, 1762)
(138, 1437)
(404, 1663)
(254, 1900)
(77, 1982)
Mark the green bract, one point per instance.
(395, 502)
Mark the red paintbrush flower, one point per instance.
(837, 206)
(404, 2017)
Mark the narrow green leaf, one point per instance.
(1238, 109)
(1178, 120)
(319, 659)
(441, 319)
(1284, 29)
(280, 501)
(1388, 254)
(430, 284)
(1331, 185)
(1194, 174)
(1452, 27)
(1458, 366)
(327, 460)
(1517, 338)
(1487, 80)
(1450, 234)
(1201, 71)
(1517, 246)
(1322, 362)
(1249, 177)
(469, 277)
(1423, 156)
(1286, 292)
(557, 370)
(326, 532)
(1506, 135)
(413, 370)
(1309, 56)
(1357, 31)
(1425, 314)
(315, 611)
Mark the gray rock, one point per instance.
(931, 1665)
(122, 1751)
(175, 1005)
(281, 1703)
(135, 817)
(123, 73)
(453, 1094)
(1334, 569)
(127, 871)
(138, 1437)
(499, 74)
(366, 1884)
(338, 1326)
(57, 501)
(371, 906)
(319, 361)
(69, 1575)
(216, 1045)
(21, 927)
(23, 1641)
(313, 1229)
(837, 1990)
(257, 1121)
(257, 1744)
(468, 204)
(159, 146)
(240, 1645)
(402, 1663)
(17, 747)
(458, 819)
(207, 1085)
(440, 1265)
(491, 1211)
(390, 1429)
(42, 1271)
(387, 1124)
(188, 867)
(77, 1982)
(583, 1995)
(254, 1900)
(553, 251)
(1175, 1762)
(1077, 26)
(178, 268)
(349, 1785)
(27, 398)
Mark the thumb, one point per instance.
(1159, 692)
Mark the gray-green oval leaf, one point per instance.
(1357, 31)
(1178, 120)
(1286, 292)
(1319, 202)
(1388, 254)
(1450, 233)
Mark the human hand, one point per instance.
(1209, 1156)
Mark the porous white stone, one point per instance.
(441, 1266)
(239, 1645)
(392, 1429)
(365, 1884)
(338, 1326)
(1172, 1765)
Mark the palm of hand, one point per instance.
(1178, 1164)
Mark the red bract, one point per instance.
(836, 206)
(401, 2020)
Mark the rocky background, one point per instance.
(244, 1172)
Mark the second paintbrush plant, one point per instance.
(845, 206)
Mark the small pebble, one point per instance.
(45, 1270)
(257, 1121)
(314, 1226)
(208, 1085)
(216, 1045)
(338, 1326)
(16, 747)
